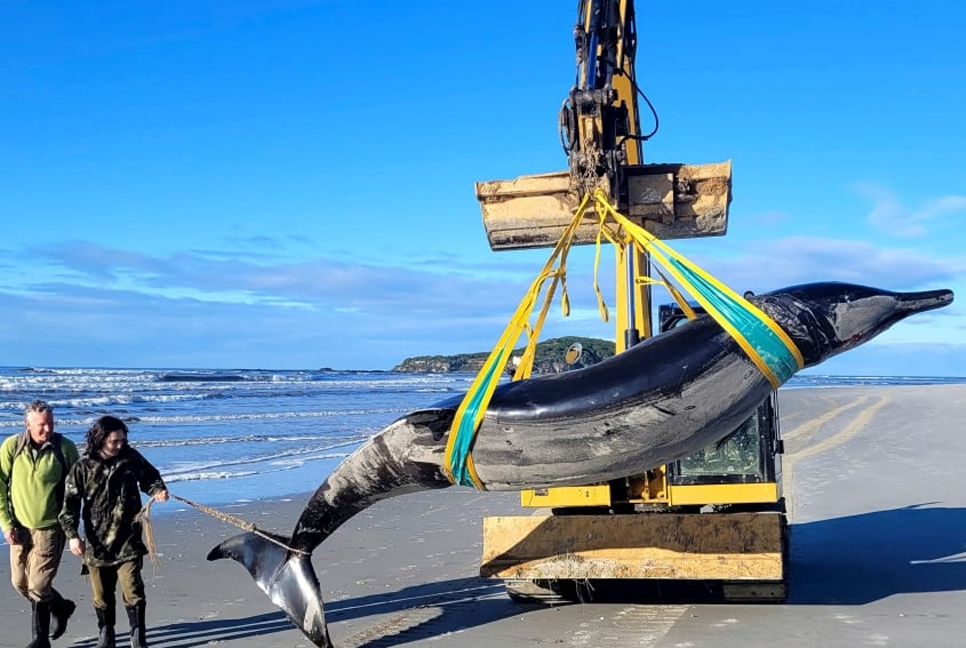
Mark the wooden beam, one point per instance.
(713, 546)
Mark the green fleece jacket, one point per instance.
(30, 499)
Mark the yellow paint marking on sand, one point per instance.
(860, 423)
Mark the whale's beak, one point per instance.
(920, 302)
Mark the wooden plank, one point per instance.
(671, 201)
(712, 546)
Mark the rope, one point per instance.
(145, 517)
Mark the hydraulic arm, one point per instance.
(599, 125)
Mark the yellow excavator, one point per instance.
(716, 517)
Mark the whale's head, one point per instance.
(825, 319)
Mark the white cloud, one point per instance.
(802, 259)
(892, 217)
(88, 303)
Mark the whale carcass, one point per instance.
(655, 403)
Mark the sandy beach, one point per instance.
(876, 494)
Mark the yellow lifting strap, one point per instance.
(459, 461)
(765, 343)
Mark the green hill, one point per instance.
(550, 357)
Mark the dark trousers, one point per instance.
(104, 581)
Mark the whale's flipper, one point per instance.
(287, 577)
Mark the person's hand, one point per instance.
(76, 546)
(161, 496)
(10, 535)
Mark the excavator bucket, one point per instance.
(671, 201)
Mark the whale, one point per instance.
(656, 402)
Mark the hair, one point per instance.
(38, 406)
(101, 429)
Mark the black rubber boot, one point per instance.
(135, 615)
(60, 611)
(105, 628)
(41, 625)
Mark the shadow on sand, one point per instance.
(863, 558)
(202, 633)
(449, 600)
(851, 560)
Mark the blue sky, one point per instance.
(290, 184)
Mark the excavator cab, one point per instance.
(747, 456)
(750, 455)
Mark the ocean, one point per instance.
(226, 436)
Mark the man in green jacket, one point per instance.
(33, 467)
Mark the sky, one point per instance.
(289, 184)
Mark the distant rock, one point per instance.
(551, 357)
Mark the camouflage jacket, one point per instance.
(110, 492)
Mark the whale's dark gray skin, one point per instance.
(655, 403)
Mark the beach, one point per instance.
(876, 495)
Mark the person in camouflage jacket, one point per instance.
(107, 483)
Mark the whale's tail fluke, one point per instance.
(287, 577)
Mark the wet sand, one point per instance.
(876, 484)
